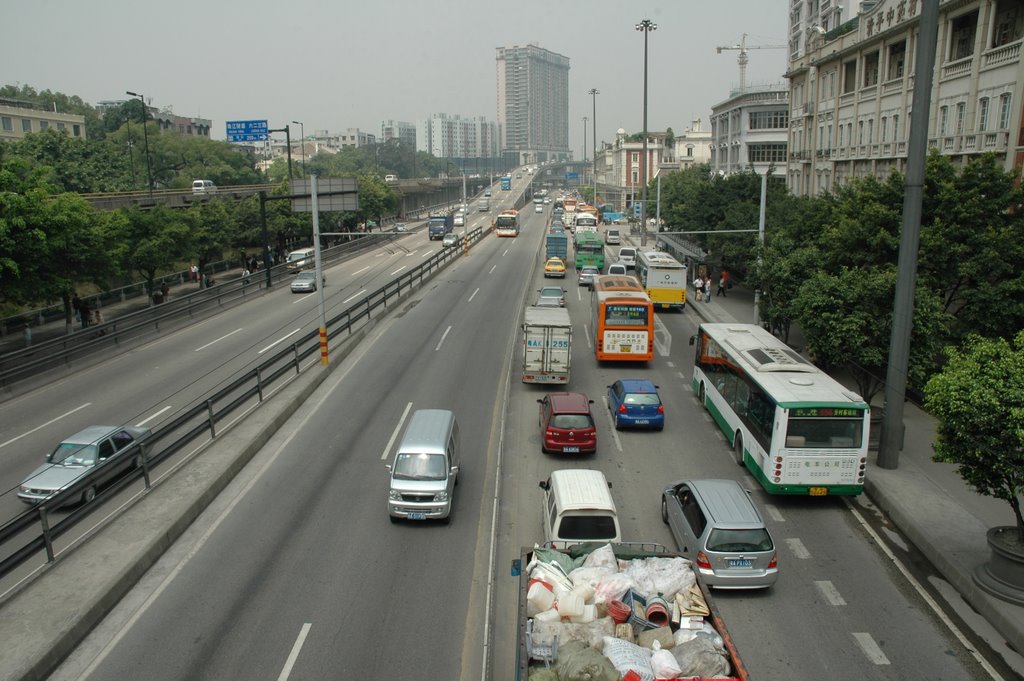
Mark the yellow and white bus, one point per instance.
(663, 277)
(794, 427)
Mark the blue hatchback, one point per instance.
(635, 402)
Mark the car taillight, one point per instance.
(661, 408)
(702, 560)
(774, 562)
(622, 409)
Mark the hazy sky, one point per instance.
(347, 63)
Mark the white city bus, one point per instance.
(663, 277)
(797, 429)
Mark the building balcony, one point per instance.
(891, 86)
(868, 92)
(1003, 54)
(956, 69)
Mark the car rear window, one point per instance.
(574, 421)
(739, 540)
(586, 527)
(642, 398)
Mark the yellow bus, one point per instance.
(663, 277)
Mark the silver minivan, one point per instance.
(425, 470)
(716, 524)
(578, 507)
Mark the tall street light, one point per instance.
(594, 92)
(302, 127)
(145, 136)
(646, 26)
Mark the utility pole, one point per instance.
(594, 92)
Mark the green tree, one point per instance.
(76, 165)
(846, 319)
(978, 399)
(154, 241)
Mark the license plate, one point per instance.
(642, 422)
(741, 563)
(417, 516)
(818, 491)
(570, 449)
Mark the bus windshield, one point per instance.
(824, 433)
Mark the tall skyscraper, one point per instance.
(533, 103)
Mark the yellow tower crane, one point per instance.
(743, 58)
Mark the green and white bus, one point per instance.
(793, 426)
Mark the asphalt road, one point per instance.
(296, 573)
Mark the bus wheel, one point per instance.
(700, 393)
(737, 449)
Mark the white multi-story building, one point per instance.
(533, 104)
(749, 130)
(399, 130)
(851, 87)
(447, 136)
(693, 147)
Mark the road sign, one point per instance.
(572, 176)
(247, 131)
(637, 207)
(333, 194)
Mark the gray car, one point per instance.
(304, 282)
(588, 273)
(551, 296)
(102, 452)
(717, 526)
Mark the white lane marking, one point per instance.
(664, 346)
(383, 255)
(775, 513)
(505, 253)
(145, 421)
(217, 340)
(615, 433)
(410, 254)
(359, 271)
(982, 662)
(491, 271)
(279, 340)
(294, 654)
(586, 334)
(428, 253)
(473, 296)
(394, 435)
(41, 426)
(397, 271)
(355, 295)
(670, 363)
(683, 376)
(870, 648)
(798, 548)
(443, 336)
(830, 592)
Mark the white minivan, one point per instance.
(425, 469)
(203, 187)
(627, 256)
(578, 507)
(612, 237)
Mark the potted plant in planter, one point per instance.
(978, 399)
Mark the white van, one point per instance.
(578, 508)
(627, 256)
(203, 187)
(301, 259)
(425, 469)
(612, 237)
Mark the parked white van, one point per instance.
(425, 470)
(203, 187)
(578, 507)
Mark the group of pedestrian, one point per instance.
(702, 285)
(85, 314)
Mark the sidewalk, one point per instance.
(928, 501)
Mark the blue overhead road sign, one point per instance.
(247, 131)
(572, 176)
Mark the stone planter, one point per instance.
(1003, 575)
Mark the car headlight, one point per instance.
(394, 495)
(441, 496)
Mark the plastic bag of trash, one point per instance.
(664, 663)
(579, 662)
(612, 587)
(701, 657)
(552, 556)
(602, 557)
(664, 576)
(629, 657)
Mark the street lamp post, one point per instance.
(646, 26)
(145, 136)
(594, 92)
(302, 127)
(131, 150)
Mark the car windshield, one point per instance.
(73, 454)
(419, 467)
(306, 275)
(550, 292)
(740, 540)
(642, 398)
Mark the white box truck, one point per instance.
(547, 345)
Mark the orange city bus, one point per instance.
(623, 319)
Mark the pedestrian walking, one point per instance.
(194, 269)
(97, 320)
(722, 280)
(165, 291)
(707, 289)
(698, 288)
(245, 275)
(83, 313)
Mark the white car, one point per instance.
(305, 281)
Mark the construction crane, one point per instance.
(743, 58)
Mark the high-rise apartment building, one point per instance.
(447, 136)
(399, 130)
(533, 103)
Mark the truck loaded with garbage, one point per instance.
(617, 612)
